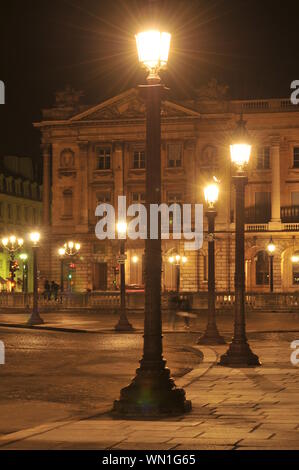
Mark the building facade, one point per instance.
(94, 154)
(20, 212)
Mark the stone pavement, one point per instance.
(250, 408)
(102, 321)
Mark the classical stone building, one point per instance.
(93, 154)
(20, 212)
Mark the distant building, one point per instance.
(20, 212)
(93, 154)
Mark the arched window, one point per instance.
(67, 203)
(262, 268)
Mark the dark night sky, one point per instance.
(252, 45)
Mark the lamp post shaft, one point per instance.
(123, 322)
(152, 392)
(35, 318)
(61, 275)
(271, 274)
(239, 353)
(211, 335)
(178, 276)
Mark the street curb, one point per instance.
(209, 360)
(112, 330)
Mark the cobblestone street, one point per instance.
(252, 408)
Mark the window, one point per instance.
(138, 198)
(174, 155)
(295, 198)
(26, 214)
(68, 203)
(9, 211)
(263, 158)
(296, 157)
(1, 209)
(296, 271)
(103, 197)
(262, 268)
(262, 207)
(34, 216)
(103, 158)
(18, 214)
(139, 159)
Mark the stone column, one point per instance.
(83, 212)
(275, 190)
(46, 151)
(118, 165)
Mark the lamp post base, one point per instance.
(239, 354)
(35, 319)
(211, 336)
(152, 394)
(124, 325)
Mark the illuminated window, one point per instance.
(295, 271)
(139, 159)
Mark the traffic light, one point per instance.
(13, 267)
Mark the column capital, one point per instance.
(275, 140)
(83, 145)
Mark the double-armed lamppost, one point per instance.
(211, 335)
(123, 322)
(271, 249)
(35, 318)
(239, 353)
(69, 249)
(152, 392)
(177, 260)
(12, 244)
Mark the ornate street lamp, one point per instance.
(69, 249)
(12, 244)
(123, 322)
(35, 318)
(239, 353)
(211, 335)
(177, 260)
(152, 392)
(271, 249)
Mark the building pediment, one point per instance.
(130, 106)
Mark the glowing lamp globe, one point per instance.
(61, 251)
(240, 148)
(121, 228)
(295, 258)
(153, 49)
(211, 193)
(34, 237)
(271, 247)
